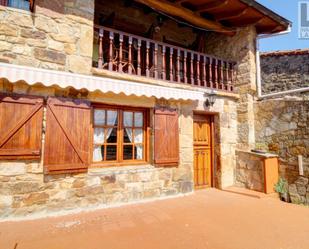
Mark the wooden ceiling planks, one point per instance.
(183, 13)
(235, 13)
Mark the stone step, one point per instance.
(251, 193)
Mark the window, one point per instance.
(119, 135)
(19, 4)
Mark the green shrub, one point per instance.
(281, 186)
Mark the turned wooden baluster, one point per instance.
(156, 60)
(211, 80)
(147, 58)
(198, 69)
(163, 63)
(185, 67)
(226, 73)
(111, 51)
(178, 66)
(120, 53)
(191, 69)
(171, 64)
(216, 73)
(222, 74)
(100, 61)
(231, 69)
(204, 71)
(130, 56)
(139, 44)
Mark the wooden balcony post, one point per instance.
(163, 62)
(171, 64)
(204, 71)
(191, 69)
(216, 73)
(178, 66)
(198, 69)
(120, 53)
(100, 61)
(111, 50)
(130, 55)
(147, 58)
(221, 74)
(155, 60)
(211, 79)
(139, 44)
(185, 67)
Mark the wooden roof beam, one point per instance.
(187, 15)
(231, 15)
(215, 4)
(180, 1)
(248, 22)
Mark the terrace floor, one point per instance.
(209, 218)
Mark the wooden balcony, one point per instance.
(134, 55)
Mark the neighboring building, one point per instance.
(108, 102)
(284, 70)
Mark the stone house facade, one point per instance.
(115, 96)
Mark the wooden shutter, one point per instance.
(21, 120)
(67, 143)
(166, 137)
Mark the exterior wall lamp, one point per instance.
(210, 99)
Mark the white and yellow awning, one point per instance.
(32, 76)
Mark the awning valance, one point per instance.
(32, 76)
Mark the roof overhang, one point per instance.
(49, 78)
(223, 16)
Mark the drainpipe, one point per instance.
(258, 62)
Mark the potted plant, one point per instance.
(281, 187)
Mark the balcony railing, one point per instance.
(134, 55)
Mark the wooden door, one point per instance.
(202, 139)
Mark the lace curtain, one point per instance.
(138, 133)
(99, 135)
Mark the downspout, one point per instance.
(258, 62)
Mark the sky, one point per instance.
(289, 10)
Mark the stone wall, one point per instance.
(241, 49)
(284, 70)
(299, 191)
(249, 171)
(282, 127)
(58, 36)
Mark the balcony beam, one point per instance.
(186, 14)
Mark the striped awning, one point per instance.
(32, 76)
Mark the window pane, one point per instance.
(127, 135)
(20, 4)
(128, 152)
(138, 119)
(111, 135)
(98, 135)
(99, 117)
(138, 136)
(128, 119)
(112, 118)
(98, 153)
(138, 154)
(111, 152)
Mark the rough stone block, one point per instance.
(12, 169)
(49, 56)
(36, 198)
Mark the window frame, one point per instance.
(120, 134)
(6, 4)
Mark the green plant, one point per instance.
(281, 186)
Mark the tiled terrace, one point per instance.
(207, 219)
